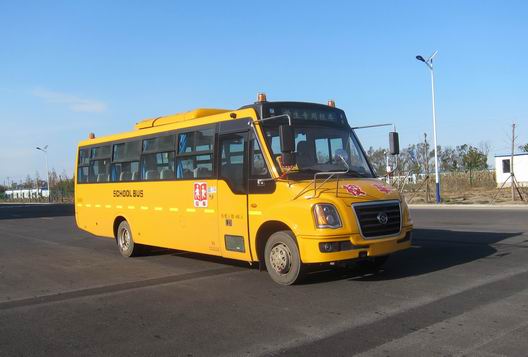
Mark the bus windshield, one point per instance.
(316, 148)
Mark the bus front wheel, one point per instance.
(282, 257)
(125, 241)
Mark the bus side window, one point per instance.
(125, 165)
(258, 164)
(125, 171)
(82, 175)
(195, 154)
(99, 169)
(158, 166)
(83, 165)
(233, 161)
(157, 160)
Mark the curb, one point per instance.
(469, 206)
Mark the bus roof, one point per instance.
(206, 115)
(179, 117)
(300, 110)
(172, 122)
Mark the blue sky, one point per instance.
(71, 67)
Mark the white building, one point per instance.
(503, 169)
(26, 193)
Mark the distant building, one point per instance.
(503, 169)
(26, 194)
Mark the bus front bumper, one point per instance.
(338, 248)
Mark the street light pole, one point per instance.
(429, 63)
(45, 151)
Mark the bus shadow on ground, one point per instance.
(432, 250)
(155, 251)
(21, 211)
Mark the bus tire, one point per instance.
(282, 258)
(125, 241)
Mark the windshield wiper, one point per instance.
(307, 170)
(350, 172)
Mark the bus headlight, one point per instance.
(326, 216)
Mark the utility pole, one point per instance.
(511, 164)
(513, 181)
(426, 167)
(45, 151)
(429, 63)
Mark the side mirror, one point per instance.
(394, 143)
(287, 139)
(288, 159)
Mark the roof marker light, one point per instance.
(261, 97)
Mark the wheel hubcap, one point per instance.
(124, 240)
(280, 258)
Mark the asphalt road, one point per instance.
(461, 290)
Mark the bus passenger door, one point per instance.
(232, 195)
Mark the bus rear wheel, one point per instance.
(282, 258)
(125, 241)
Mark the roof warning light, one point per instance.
(261, 97)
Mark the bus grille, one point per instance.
(378, 219)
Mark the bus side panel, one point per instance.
(165, 215)
(93, 212)
(270, 207)
(160, 213)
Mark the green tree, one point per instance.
(473, 159)
(449, 159)
(377, 159)
(524, 148)
(63, 188)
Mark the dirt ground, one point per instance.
(474, 195)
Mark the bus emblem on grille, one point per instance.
(382, 217)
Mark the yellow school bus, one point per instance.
(282, 184)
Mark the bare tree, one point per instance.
(28, 182)
(450, 161)
(408, 160)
